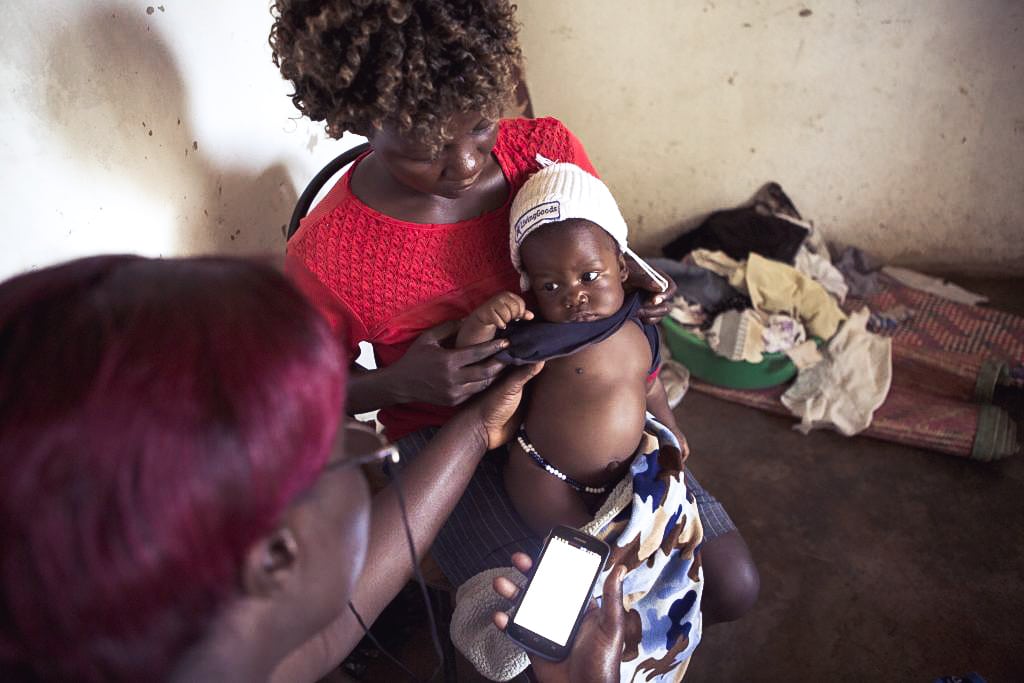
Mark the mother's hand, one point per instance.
(431, 373)
(655, 306)
(597, 653)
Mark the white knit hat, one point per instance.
(558, 192)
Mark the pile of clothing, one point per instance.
(760, 279)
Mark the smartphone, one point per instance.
(551, 606)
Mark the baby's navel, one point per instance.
(579, 371)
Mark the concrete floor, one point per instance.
(878, 562)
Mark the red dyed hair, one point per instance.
(156, 418)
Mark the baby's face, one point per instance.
(575, 271)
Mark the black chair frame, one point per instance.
(319, 180)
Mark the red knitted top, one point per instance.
(385, 281)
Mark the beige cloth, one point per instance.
(805, 355)
(686, 313)
(716, 261)
(774, 287)
(845, 389)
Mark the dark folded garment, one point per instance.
(738, 232)
(537, 340)
(700, 286)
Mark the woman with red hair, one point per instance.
(175, 502)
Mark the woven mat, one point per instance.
(941, 370)
(943, 325)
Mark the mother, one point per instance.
(414, 236)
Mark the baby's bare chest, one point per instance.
(623, 358)
(586, 411)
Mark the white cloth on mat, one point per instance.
(845, 389)
(934, 285)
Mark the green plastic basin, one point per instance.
(705, 364)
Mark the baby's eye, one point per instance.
(590, 276)
(550, 286)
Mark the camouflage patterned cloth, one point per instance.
(651, 523)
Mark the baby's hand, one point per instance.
(502, 309)
(484, 322)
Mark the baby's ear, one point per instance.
(623, 270)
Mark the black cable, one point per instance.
(419, 574)
(393, 472)
(377, 644)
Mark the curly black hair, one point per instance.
(411, 64)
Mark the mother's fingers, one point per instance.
(473, 388)
(476, 378)
(522, 562)
(500, 620)
(438, 333)
(477, 352)
(505, 587)
(480, 372)
(652, 315)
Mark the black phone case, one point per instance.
(531, 641)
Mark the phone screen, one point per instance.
(560, 585)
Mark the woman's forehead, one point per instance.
(454, 126)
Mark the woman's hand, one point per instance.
(656, 306)
(499, 407)
(597, 653)
(431, 373)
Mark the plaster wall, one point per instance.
(896, 125)
(151, 129)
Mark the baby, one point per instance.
(586, 411)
